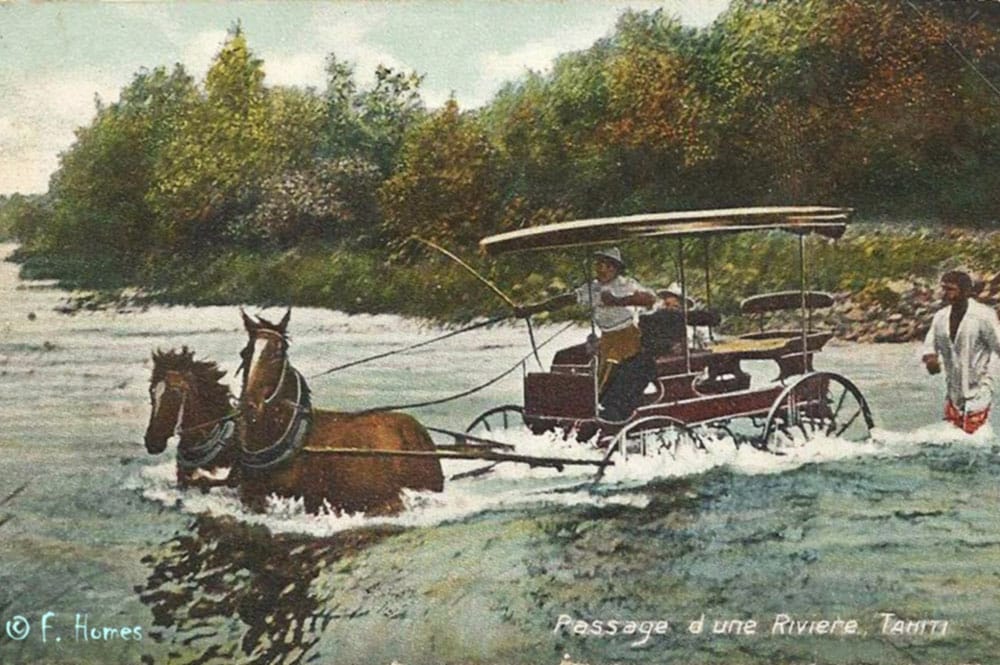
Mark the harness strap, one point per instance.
(281, 381)
(386, 354)
(202, 454)
(466, 393)
(293, 438)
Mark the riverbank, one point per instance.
(893, 310)
(883, 277)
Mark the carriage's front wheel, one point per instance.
(821, 404)
(497, 419)
(651, 435)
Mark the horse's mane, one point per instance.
(206, 373)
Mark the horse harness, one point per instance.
(294, 436)
(204, 453)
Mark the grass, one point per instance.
(434, 287)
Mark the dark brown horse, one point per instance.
(283, 439)
(186, 396)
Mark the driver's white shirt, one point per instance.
(611, 318)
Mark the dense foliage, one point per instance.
(229, 189)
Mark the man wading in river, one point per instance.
(963, 337)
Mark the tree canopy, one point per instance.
(891, 108)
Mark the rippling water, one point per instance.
(496, 569)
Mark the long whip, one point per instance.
(490, 285)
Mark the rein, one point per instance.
(466, 393)
(386, 354)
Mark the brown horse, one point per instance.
(187, 396)
(283, 439)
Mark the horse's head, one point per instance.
(169, 387)
(265, 360)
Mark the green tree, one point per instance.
(237, 136)
(98, 192)
(386, 112)
(448, 183)
(547, 127)
(24, 218)
(341, 130)
(369, 124)
(656, 127)
(331, 201)
(860, 100)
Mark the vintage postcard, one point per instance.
(467, 331)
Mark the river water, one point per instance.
(898, 535)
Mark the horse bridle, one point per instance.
(284, 365)
(293, 438)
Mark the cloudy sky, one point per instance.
(55, 58)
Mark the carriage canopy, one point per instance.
(823, 220)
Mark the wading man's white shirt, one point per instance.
(967, 362)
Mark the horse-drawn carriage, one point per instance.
(276, 443)
(696, 391)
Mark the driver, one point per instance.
(663, 334)
(613, 297)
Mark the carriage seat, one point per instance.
(572, 360)
(767, 303)
(776, 343)
(785, 347)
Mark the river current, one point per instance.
(729, 555)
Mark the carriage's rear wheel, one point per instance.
(497, 419)
(821, 404)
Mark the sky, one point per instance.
(55, 58)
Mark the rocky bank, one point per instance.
(892, 311)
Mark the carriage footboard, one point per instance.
(559, 395)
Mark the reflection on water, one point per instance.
(232, 592)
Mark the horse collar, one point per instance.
(294, 436)
(204, 453)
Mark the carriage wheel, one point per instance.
(818, 404)
(497, 419)
(651, 435)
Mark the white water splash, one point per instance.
(510, 486)
(459, 500)
(939, 434)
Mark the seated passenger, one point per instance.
(670, 299)
(662, 333)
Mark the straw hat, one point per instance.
(674, 289)
(612, 254)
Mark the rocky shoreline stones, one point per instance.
(889, 311)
